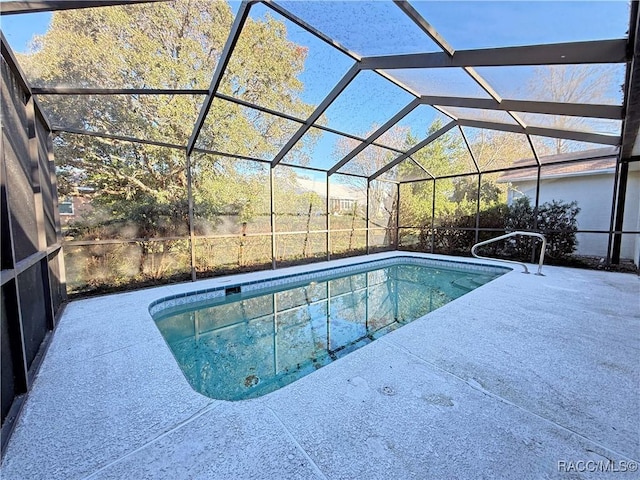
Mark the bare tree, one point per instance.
(571, 84)
(494, 149)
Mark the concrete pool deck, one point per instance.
(524, 377)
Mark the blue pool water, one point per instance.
(244, 345)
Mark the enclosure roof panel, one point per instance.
(365, 104)
(452, 82)
(571, 83)
(319, 65)
(319, 149)
(146, 117)
(407, 171)
(595, 125)
(488, 24)
(365, 28)
(498, 116)
(357, 87)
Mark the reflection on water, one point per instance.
(252, 345)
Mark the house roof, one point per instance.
(597, 161)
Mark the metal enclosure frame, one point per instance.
(620, 51)
(602, 51)
(29, 155)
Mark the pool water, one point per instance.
(246, 345)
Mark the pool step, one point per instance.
(469, 283)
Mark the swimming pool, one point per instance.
(243, 341)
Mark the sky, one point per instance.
(20, 29)
(381, 28)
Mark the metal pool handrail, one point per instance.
(513, 234)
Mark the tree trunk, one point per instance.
(306, 238)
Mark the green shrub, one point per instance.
(556, 220)
(519, 216)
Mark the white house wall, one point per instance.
(593, 194)
(631, 243)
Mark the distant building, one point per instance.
(589, 181)
(73, 208)
(343, 199)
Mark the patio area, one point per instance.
(524, 377)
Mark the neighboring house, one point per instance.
(590, 183)
(74, 207)
(342, 198)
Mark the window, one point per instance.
(66, 206)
